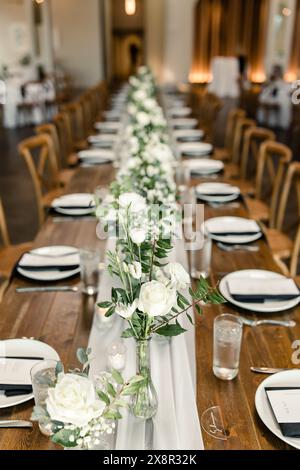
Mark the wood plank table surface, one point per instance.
(63, 320)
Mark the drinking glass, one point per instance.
(201, 253)
(43, 376)
(90, 265)
(228, 332)
(183, 177)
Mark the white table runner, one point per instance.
(173, 364)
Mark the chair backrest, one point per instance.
(3, 227)
(51, 130)
(295, 255)
(292, 177)
(274, 159)
(253, 138)
(75, 112)
(241, 126)
(233, 116)
(65, 136)
(43, 147)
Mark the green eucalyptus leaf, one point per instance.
(117, 377)
(111, 390)
(62, 437)
(171, 330)
(103, 397)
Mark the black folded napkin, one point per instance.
(288, 429)
(189, 139)
(238, 234)
(70, 267)
(12, 390)
(260, 298)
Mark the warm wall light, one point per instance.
(200, 77)
(290, 76)
(258, 77)
(39, 1)
(286, 11)
(130, 7)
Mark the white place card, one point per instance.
(16, 371)
(285, 403)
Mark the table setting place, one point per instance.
(136, 387)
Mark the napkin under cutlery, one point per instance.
(262, 290)
(37, 262)
(240, 228)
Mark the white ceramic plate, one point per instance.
(290, 378)
(203, 192)
(204, 166)
(75, 200)
(102, 140)
(233, 239)
(268, 307)
(29, 348)
(180, 112)
(189, 135)
(50, 276)
(195, 149)
(188, 123)
(96, 156)
(111, 127)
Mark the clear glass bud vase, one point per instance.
(145, 402)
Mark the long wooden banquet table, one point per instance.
(63, 320)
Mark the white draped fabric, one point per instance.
(176, 424)
(225, 74)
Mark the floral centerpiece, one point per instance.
(153, 294)
(80, 412)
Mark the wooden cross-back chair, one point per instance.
(76, 116)
(209, 107)
(65, 175)
(9, 254)
(39, 155)
(225, 153)
(64, 131)
(253, 138)
(295, 257)
(272, 163)
(279, 241)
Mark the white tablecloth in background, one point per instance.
(225, 72)
(176, 424)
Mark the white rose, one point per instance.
(156, 299)
(133, 200)
(135, 270)
(74, 401)
(177, 275)
(126, 311)
(143, 118)
(138, 235)
(139, 95)
(152, 171)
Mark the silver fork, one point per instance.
(252, 249)
(253, 323)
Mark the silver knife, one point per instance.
(267, 370)
(16, 424)
(47, 289)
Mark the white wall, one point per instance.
(12, 12)
(155, 36)
(179, 34)
(78, 39)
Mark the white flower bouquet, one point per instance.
(78, 412)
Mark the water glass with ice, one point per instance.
(228, 332)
